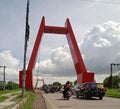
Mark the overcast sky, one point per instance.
(96, 25)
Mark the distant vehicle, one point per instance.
(62, 89)
(88, 90)
(75, 89)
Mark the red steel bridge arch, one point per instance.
(82, 74)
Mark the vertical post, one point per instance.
(25, 49)
(111, 78)
(3, 77)
(111, 75)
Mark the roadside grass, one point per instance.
(31, 96)
(3, 95)
(3, 98)
(18, 98)
(115, 93)
(9, 91)
(28, 105)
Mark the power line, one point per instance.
(103, 2)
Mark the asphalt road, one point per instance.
(57, 102)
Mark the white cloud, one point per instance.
(102, 43)
(7, 59)
(101, 47)
(12, 65)
(59, 64)
(60, 55)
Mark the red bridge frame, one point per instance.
(82, 74)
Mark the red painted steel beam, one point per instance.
(81, 71)
(55, 30)
(76, 55)
(36, 46)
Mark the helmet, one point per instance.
(68, 82)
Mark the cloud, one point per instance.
(7, 59)
(12, 65)
(101, 47)
(59, 64)
(102, 42)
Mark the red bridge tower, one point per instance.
(82, 74)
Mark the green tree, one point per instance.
(11, 85)
(106, 82)
(57, 84)
(115, 81)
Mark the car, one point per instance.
(75, 89)
(91, 89)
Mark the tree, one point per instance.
(11, 85)
(56, 84)
(115, 81)
(106, 82)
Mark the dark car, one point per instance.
(88, 90)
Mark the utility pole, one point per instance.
(4, 67)
(111, 75)
(111, 79)
(25, 48)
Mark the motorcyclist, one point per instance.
(67, 88)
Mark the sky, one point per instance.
(95, 23)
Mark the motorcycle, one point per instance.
(67, 95)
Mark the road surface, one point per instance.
(57, 102)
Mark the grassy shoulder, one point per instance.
(28, 94)
(115, 93)
(9, 91)
(3, 98)
(5, 94)
(31, 96)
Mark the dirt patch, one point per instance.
(39, 102)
